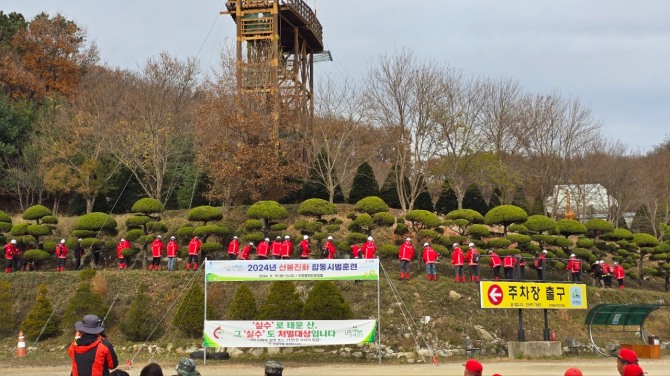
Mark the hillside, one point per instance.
(451, 319)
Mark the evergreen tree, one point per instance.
(641, 222)
(84, 302)
(474, 200)
(191, 310)
(496, 198)
(315, 186)
(6, 309)
(282, 303)
(139, 322)
(520, 199)
(423, 200)
(41, 315)
(243, 306)
(389, 190)
(537, 207)
(325, 302)
(447, 201)
(364, 184)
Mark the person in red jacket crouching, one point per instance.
(430, 257)
(405, 255)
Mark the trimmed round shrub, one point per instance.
(332, 228)
(585, 243)
(356, 237)
(371, 205)
(505, 215)
(363, 220)
(38, 230)
(539, 223)
(129, 252)
(84, 233)
(50, 246)
(185, 232)
(270, 210)
(645, 240)
(472, 216)
(424, 217)
(428, 234)
(499, 243)
(255, 237)
(134, 234)
(619, 234)
(519, 239)
(252, 225)
(570, 227)
(206, 231)
(519, 229)
(33, 255)
(148, 206)
(36, 212)
(205, 214)
(308, 227)
(598, 226)
(5, 226)
(401, 229)
(279, 227)
(87, 243)
(387, 251)
(49, 220)
(96, 221)
(209, 248)
(19, 229)
(561, 241)
(156, 227)
(137, 220)
(316, 207)
(383, 219)
(478, 230)
(4, 217)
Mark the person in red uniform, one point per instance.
(91, 353)
(305, 252)
(508, 265)
(628, 358)
(172, 249)
(156, 253)
(330, 248)
(10, 250)
(607, 274)
(355, 251)
(369, 248)
(575, 268)
(405, 255)
(619, 274)
(193, 253)
(430, 256)
(540, 264)
(61, 254)
(275, 248)
(123, 244)
(263, 249)
(286, 248)
(457, 261)
(246, 251)
(494, 263)
(233, 248)
(472, 257)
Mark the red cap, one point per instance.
(633, 370)
(474, 366)
(627, 355)
(573, 372)
(496, 374)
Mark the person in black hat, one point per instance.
(90, 352)
(273, 368)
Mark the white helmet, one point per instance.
(278, 237)
(172, 238)
(370, 238)
(601, 262)
(330, 238)
(267, 239)
(455, 245)
(545, 251)
(408, 240)
(62, 241)
(251, 243)
(234, 237)
(305, 237)
(287, 237)
(573, 255)
(123, 240)
(471, 245)
(158, 237)
(80, 239)
(13, 241)
(426, 244)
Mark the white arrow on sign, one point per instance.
(495, 294)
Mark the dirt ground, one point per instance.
(590, 367)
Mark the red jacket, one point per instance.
(406, 252)
(10, 251)
(194, 247)
(355, 251)
(263, 248)
(540, 261)
(246, 252)
(286, 248)
(157, 248)
(509, 261)
(606, 269)
(304, 248)
(276, 248)
(92, 357)
(472, 257)
(172, 248)
(494, 260)
(618, 272)
(61, 250)
(429, 255)
(369, 248)
(120, 247)
(234, 247)
(574, 265)
(457, 257)
(331, 249)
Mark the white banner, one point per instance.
(288, 333)
(274, 270)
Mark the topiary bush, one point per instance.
(210, 248)
(356, 237)
(147, 206)
(139, 323)
(585, 243)
(4, 217)
(519, 239)
(569, 227)
(478, 231)
(282, 303)
(499, 243)
(325, 302)
(205, 214)
(618, 234)
(316, 207)
(539, 224)
(387, 251)
(243, 306)
(519, 229)
(36, 213)
(41, 316)
(371, 205)
(597, 227)
(204, 232)
(269, 212)
(138, 220)
(505, 215)
(19, 229)
(96, 221)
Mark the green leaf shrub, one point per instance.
(325, 302)
(243, 306)
(568, 227)
(147, 206)
(191, 310)
(7, 317)
(205, 214)
(35, 213)
(41, 315)
(371, 205)
(138, 322)
(282, 303)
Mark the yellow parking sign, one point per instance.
(505, 294)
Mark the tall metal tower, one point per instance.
(278, 42)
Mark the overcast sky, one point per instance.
(614, 55)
